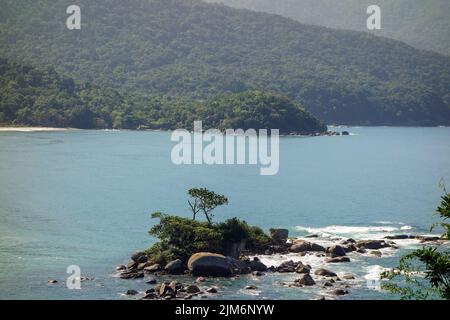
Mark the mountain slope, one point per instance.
(193, 49)
(422, 24)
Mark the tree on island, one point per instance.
(425, 272)
(204, 200)
(180, 237)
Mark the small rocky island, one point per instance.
(191, 251)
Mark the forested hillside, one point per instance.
(43, 98)
(190, 50)
(422, 24)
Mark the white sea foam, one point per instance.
(373, 276)
(360, 232)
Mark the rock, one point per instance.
(181, 295)
(372, 244)
(305, 246)
(139, 257)
(174, 285)
(337, 259)
(305, 280)
(361, 250)
(258, 273)
(303, 269)
(52, 281)
(192, 289)
(214, 265)
(279, 235)
(312, 236)
(302, 246)
(150, 291)
(350, 248)
(376, 253)
(345, 133)
(340, 292)
(398, 237)
(151, 281)
(336, 251)
(141, 266)
(287, 266)
(175, 267)
(153, 268)
(121, 268)
(427, 239)
(257, 265)
(132, 275)
(251, 287)
(87, 278)
(200, 279)
(325, 273)
(212, 290)
(328, 284)
(132, 292)
(349, 241)
(349, 276)
(165, 290)
(150, 296)
(316, 247)
(132, 265)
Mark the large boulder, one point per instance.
(208, 264)
(301, 268)
(316, 247)
(279, 235)
(306, 280)
(257, 265)
(304, 246)
(337, 259)
(153, 268)
(372, 244)
(301, 246)
(336, 251)
(325, 273)
(287, 266)
(139, 257)
(175, 267)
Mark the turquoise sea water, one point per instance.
(85, 197)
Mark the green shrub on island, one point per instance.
(179, 237)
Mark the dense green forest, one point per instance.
(422, 24)
(42, 97)
(159, 50)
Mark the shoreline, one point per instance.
(33, 129)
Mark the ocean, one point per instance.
(85, 198)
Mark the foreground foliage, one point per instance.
(424, 273)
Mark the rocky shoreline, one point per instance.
(204, 265)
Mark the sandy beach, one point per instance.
(31, 129)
